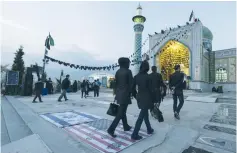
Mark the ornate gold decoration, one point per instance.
(171, 54)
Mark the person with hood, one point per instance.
(123, 85)
(49, 86)
(65, 86)
(74, 86)
(144, 99)
(156, 85)
(38, 88)
(83, 89)
(96, 88)
(87, 87)
(176, 83)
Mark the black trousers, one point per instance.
(144, 115)
(120, 116)
(177, 96)
(37, 94)
(83, 92)
(96, 92)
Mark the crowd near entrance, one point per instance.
(173, 53)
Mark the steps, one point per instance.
(13, 127)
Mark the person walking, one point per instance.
(49, 86)
(96, 88)
(124, 80)
(156, 85)
(144, 99)
(98, 84)
(87, 87)
(176, 85)
(74, 86)
(83, 89)
(38, 89)
(65, 86)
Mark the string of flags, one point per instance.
(180, 35)
(82, 67)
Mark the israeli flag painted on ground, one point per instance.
(64, 119)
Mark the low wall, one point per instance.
(227, 87)
(207, 87)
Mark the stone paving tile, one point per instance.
(102, 124)
(220, 129)
(229, 101)
(228, 106)
(223, 121)
(195, 150)
(226, 114)
(218, 142)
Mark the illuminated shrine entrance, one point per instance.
(171, 54)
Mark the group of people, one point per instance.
(147, 90)
(86, 87)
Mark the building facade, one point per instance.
(191, 47)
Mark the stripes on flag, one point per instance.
(101, 141)
(87, 128)
(64, 119)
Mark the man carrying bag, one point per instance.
(157, 86)
(123, 85)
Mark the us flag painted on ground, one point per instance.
(101, 141)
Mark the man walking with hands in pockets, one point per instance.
(176, 84)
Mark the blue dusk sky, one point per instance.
(92, 32)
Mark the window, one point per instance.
(221, 75)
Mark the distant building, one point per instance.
(191, 47)
(102, 76)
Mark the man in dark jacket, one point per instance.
(156, 85)
(65, 86)
(49, 86)
(83, 89)
(123, 85)
(38, 90)
(96, 88)
(176, 85)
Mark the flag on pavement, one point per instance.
(191, 16)
(101, 141)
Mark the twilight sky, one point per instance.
(92, 32)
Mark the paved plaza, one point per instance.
(79, 125)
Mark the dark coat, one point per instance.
(66, 84)
(39, 86)
(176, 80)
(123, 83)
(75, 86)
(49, 84)
(143, 81)
(83, 86)
(156, 84)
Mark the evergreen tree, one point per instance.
(18, 63)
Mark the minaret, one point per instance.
(138, 29)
